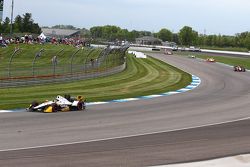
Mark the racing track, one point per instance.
(138, 133)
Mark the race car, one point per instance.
(239, 69)
(210, 60)
(192, 56)
(168, 52)
(60, 104)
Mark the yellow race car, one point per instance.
(212, 60)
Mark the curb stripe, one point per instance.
(196, 81)
(4, 111)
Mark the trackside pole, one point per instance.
(10, 61)
(37, 55)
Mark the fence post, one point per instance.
(124, 50)
(71, 61)
(38, 54)
(86, 59)
(54, 61)
(10, 61)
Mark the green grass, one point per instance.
(21, 65)
(223, 59)
(141, 77)
(225, 48)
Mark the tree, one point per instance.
(133, 35)
(165, 35)
(96, 32)
(122, 34)
(27, 22)
(188, 36)
(176, 38)
(110, 32)
(35, 28)
(247, 41)
(6, 25)
(85, 32)
(18, 24)
(243, 39)
(64, 27)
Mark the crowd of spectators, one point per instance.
(77, 42)
(29, 39)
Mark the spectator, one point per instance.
(54, 60)
(1, 38)
(26, 38)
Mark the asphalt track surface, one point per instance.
(139, 133)
(217, 54)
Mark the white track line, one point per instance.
(4, 111)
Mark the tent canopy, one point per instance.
(42, 36)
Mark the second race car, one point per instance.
(212, 60)
(239, 68)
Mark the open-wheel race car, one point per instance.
(212, 60)
(168, 52)
(239, 68)
(59, 104)
(192, 56)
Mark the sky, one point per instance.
(225, 17)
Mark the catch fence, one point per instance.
(109, 61)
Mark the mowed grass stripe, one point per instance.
(131, 73)
(146, 74)
(170, 76)
(141, 77)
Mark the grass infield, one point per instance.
(141, 77)
(21, 65)
(236, 49)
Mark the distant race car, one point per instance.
(60, 104)
(192, 56)
(175, 48)
(210, 60)
(168, 52)
(239, 69)
(194, 49)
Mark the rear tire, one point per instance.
(80, 105)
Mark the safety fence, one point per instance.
(109, 61)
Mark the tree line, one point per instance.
(21, 24)
(186, 36)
